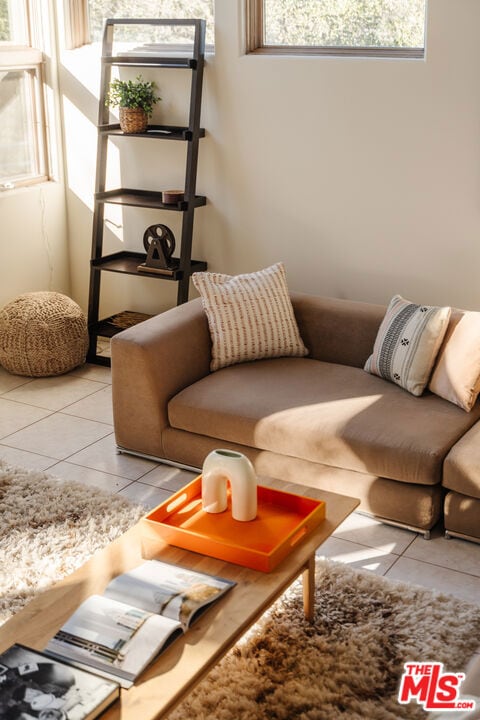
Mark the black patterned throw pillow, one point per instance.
(407, 343)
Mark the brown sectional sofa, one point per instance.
(319, 420)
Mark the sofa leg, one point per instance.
(454, 534)
(123, 451)
(426, 533)
(447, 535)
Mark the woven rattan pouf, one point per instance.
(41, 334)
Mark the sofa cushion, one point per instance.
(456, 376)
(326, 413)
(461, 514)
(337, 330)
(250, 316)
(407, 343)
(461, 471)
(414, 505)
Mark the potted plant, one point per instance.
(135, 100)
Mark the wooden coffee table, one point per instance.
(168, 680)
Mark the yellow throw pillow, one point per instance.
(250, 316)
(407, 343)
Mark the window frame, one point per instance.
(254, 42)
(29, 59)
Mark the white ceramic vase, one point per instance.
(220, 467)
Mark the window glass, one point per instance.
(340, 23)
(99, 10)
(13, 22)
(18, 156)
(4, 22)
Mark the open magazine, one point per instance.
(140, 613)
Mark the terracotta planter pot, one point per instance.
(133, 120)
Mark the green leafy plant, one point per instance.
(136, 93)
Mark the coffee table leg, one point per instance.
(309, 589)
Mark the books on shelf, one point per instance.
(139, 615)
(33, 685)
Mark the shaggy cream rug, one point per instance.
(347, 664)
(48, 528)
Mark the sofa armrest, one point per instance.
(151, 362)
(336, 330)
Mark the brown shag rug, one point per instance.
(346, 665)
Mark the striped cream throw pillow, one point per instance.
(407, 343)
(250, 316)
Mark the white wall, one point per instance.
(33, 241)
(363, 176)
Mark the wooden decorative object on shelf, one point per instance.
(170, 197)
(159, 242)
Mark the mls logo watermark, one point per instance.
(431, 687)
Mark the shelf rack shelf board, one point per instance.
(145, 198)
(168, 132)
(128, 262)
(178, 63)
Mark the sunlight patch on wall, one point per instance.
(81, 134)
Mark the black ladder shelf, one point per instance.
(127, 261)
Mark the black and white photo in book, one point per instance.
(139, 615)
(34, 686)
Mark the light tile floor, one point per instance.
(64, 425)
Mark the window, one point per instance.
(99, 10)
(13, 22)
(22, 140)
(337, 27)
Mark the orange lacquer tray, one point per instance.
(283, 519)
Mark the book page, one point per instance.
(34, 685)
(169, 590)
(113, 636)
